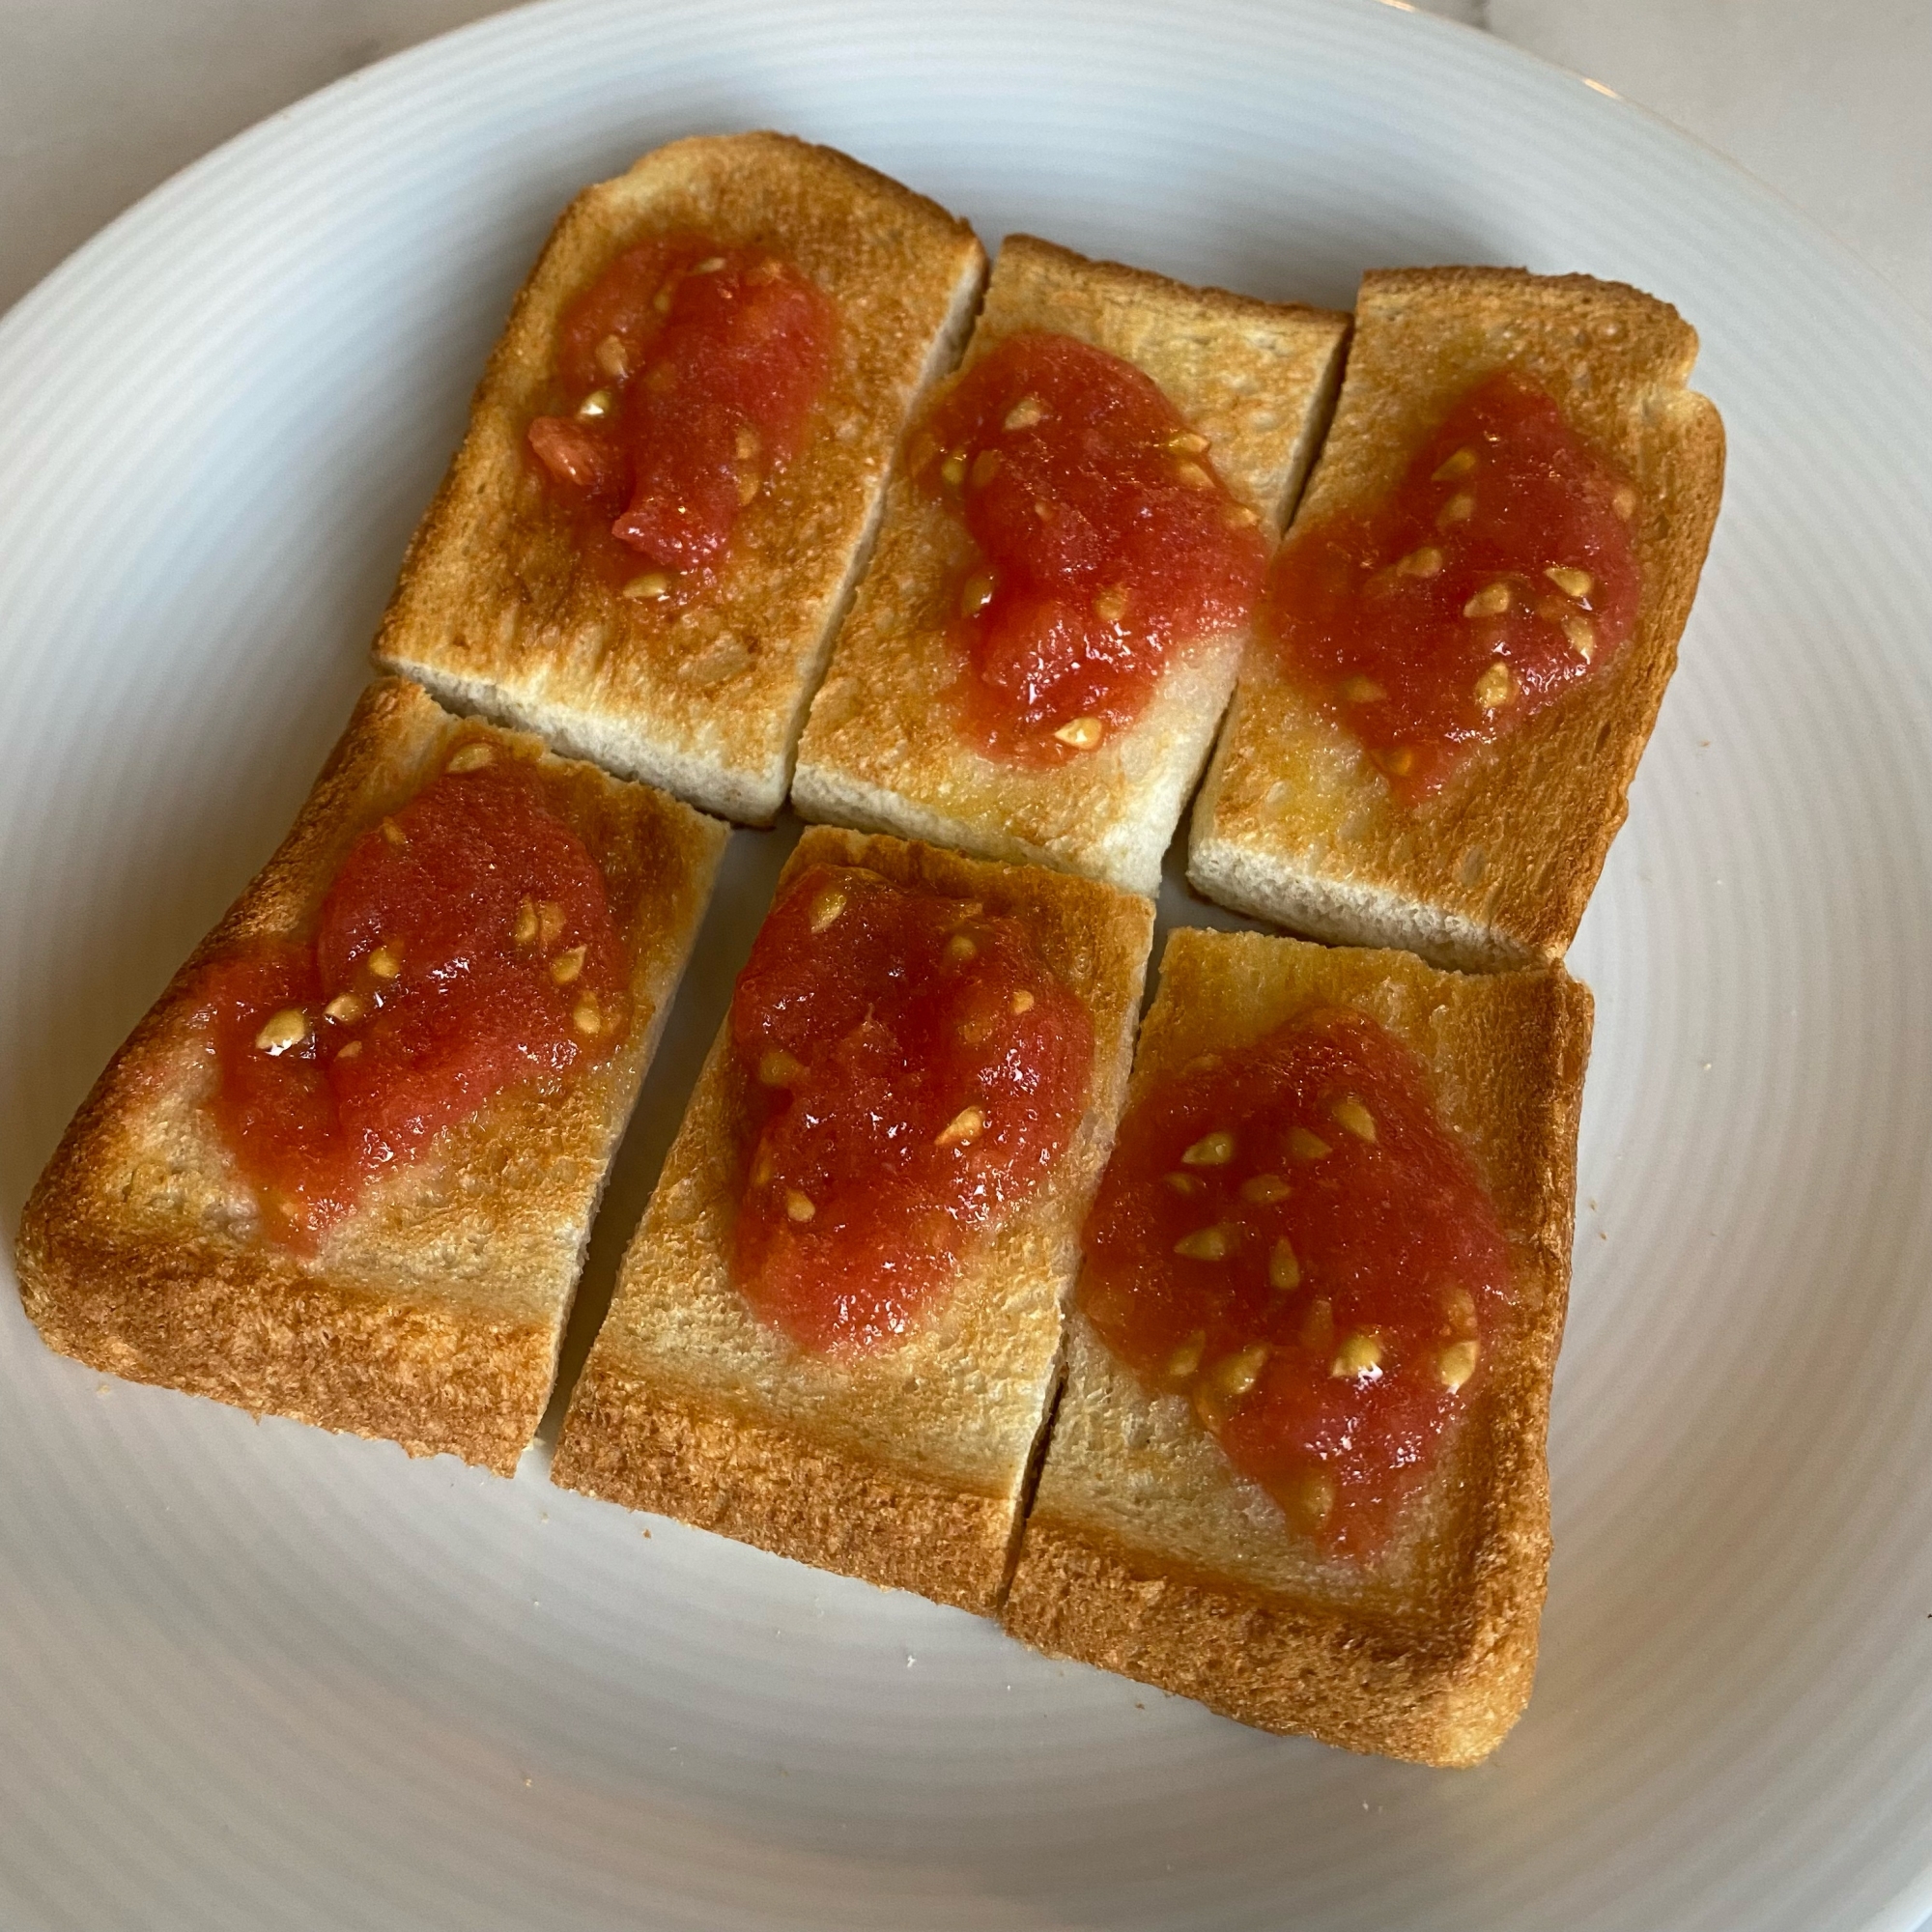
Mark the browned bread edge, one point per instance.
(677, 1455)
(881, 748)
(1268, 1663)
(843, 1481)
(248, 1324)
(1440, 1682)
(484, 613)
(1291, 824)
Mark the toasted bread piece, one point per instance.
(1146, 1552)
(1295, 823)
(494, 610)
(905, 1467)
(432, 1313)
(881, 749)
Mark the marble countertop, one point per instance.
(103, 100)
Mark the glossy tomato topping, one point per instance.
(1289, 1237)
(1107, 543)
(464, 945)
(691, 370)
(915, 1071)
(1499, 575)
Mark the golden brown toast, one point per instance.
(496, 611)
(432, 1314)
(881, 749)
(905, 1467)
(1294, 824)
(1145, 1551)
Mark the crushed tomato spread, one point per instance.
(1106, 543)
(914, 1069)
(464, 945)
(690, 370)
(1498, 576)
(1289, 1237)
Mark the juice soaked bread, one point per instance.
(901, 1459)
(886, 746)
(1149, 1551)
(1298, 822)
(501, 610)
(422, 1295)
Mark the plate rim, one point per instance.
(40, 306)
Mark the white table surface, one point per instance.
(1826, 100)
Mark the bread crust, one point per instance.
(881, 749)
(1294, 824)
(905, 1467)
(432, 1314)
(820, 1502)
(494, 611)
(1146, 1552)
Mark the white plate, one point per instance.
(255, 1675)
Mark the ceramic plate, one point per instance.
(253, 1675)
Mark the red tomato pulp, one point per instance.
(464, 945)
(1107, 544)
(692, 369)
(1288, 1236)
(916, 1070)
(1499, 575)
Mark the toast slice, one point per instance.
(496, 611)
(432, 1311)
(905, 1467)
(1145, 1551)
(1294, 824)
(881, 749)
